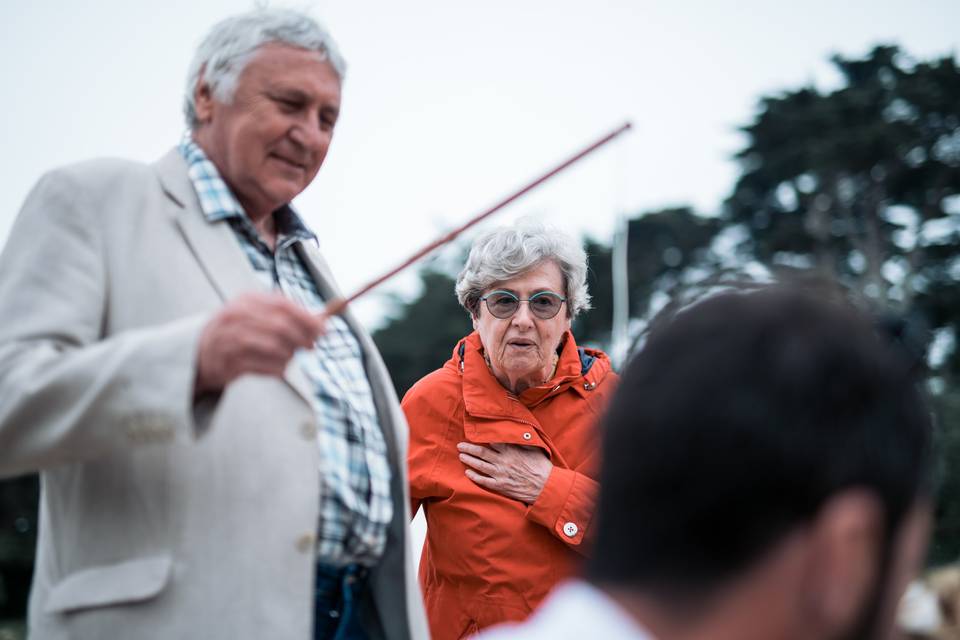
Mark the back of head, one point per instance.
(735, 423)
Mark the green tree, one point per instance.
(862, 184)
(421, 334)
(665, 250)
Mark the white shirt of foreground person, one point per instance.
(574, 610)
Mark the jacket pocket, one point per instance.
(130, 581)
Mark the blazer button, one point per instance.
(305, 543)
(570, 529)
(308, 430)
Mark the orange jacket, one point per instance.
(488, 558)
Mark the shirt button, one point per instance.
(308, 430)
(305, 543)
(570, 529)
(527, 435)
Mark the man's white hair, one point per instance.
(507, 252)
(231, 44)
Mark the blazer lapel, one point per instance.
(380, 382)
(214, 245)
(216, 248)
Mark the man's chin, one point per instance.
(283, 191)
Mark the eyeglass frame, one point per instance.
(518, 299)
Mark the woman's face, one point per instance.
(521, 348)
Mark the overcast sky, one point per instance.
(450, 105)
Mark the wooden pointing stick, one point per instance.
(337, 305)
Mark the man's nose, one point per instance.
(308, 137)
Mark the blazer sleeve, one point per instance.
(68, 389)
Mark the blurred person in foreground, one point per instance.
(503, 445)
(216, 462)
(766, 476)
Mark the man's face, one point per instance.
(269, 142)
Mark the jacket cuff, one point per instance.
(565, 505)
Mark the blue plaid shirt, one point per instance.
(355, 505)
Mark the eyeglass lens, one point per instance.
(544, 305)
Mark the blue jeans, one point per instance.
(338, 591)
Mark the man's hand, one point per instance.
(511, 470)
(255, 333)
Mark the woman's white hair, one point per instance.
(231, 44)
(507, 252)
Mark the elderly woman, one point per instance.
(503, 450)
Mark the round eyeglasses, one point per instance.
(503, 304)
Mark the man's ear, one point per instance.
(846, 541)
(203, 98)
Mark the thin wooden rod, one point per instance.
(337, 306)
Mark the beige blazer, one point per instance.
(160, 517)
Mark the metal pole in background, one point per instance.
(621, 293)
(620, 323)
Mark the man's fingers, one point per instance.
(281, 316)
(286, 329)
(309, 325)
(265, 346)
(254, 333)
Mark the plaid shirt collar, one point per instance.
(218, 203)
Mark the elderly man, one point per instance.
(216, 461)
(766, 477)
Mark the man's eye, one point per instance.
(288, 105)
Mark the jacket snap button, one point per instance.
(570, 529)
(527, 436)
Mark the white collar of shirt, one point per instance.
(574, 610)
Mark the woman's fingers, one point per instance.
(477, 451)
(480, 465)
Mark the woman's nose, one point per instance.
(523, 316)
